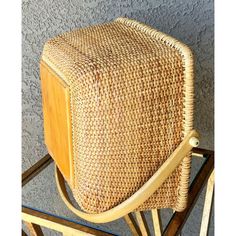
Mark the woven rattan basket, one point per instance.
(117, 101)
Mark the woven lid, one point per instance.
(131, 93)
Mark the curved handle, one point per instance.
(134, 201)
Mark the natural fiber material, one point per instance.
(131, 93)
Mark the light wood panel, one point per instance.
(57, 120)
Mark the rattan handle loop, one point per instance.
(138, 197)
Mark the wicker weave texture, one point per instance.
(131, 92)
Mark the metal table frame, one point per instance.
(34, 219)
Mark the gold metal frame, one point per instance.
(35, 218)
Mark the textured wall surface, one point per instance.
(191, 21)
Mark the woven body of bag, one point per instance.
(131, 104)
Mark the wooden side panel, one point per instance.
(57, 122)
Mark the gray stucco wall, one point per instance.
(191, 21)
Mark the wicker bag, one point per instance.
(117, 101)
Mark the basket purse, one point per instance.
(118, 105)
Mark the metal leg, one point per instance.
(173, 228)
(23, 233)
(157, 224)
(178, 219)
(34, 230)
(36, 169)
(142, 223)
(207, 205)
(64, 226)
(179, 233)
(134, 228)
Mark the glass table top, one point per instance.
(41, 194)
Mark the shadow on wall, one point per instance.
(189, 21)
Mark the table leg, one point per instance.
(34, 230)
